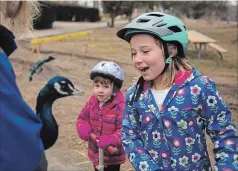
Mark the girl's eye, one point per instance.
(106, 86)
(133, 54)
(96, 85)
(145, 51)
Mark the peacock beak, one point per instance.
(77, 92)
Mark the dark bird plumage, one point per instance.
(37, 68)
(57, 87)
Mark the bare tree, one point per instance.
(195, 9)
(128, 8)
(113, 8)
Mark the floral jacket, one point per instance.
(174, 137)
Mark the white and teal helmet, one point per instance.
(110, 70)
(167, 28)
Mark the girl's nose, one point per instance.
(100, 89)
(137, 59)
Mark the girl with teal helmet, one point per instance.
(172, 104)
(170, 33)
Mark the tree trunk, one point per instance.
(112, 19)
(129, 17)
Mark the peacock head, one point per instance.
(58, 87)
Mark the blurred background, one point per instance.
(76, 55)
(93, 11)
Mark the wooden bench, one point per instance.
(199, 40)
(219, 49)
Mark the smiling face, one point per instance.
(102, 89)
(147, 56)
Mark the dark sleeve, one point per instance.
(20, 145)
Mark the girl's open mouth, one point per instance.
(143, 69)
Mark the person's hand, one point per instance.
(93, 137)
(106, 140)
(84, 131)
(97, 164)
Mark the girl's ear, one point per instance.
(172, 49)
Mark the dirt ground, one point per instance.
(76, 57)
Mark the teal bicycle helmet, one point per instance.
(167, 28)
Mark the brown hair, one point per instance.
(19, 20)
(101, 80)
(105, 81)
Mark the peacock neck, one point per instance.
(49, 131)
(45, 111)
(44, 105)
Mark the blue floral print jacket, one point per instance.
(174, 137)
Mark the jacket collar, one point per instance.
(119, 98)
(182, 78)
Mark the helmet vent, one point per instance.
(143, 20)
(155, 15)
(175, 29)
(159, 25)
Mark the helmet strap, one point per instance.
(168, 59)
(139, 89)
(114, 93)
(110, 98)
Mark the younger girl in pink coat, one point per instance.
(101, 116)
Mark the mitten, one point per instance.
(84, 131)
(106, 140)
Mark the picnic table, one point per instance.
(199, 39)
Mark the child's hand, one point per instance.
(84, 132)
(97, 164)
(93, 137)
(106, 140)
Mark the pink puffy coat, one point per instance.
(104, 121)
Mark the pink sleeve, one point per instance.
(84, 116)
(117, 133)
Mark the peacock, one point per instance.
(57, 87)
